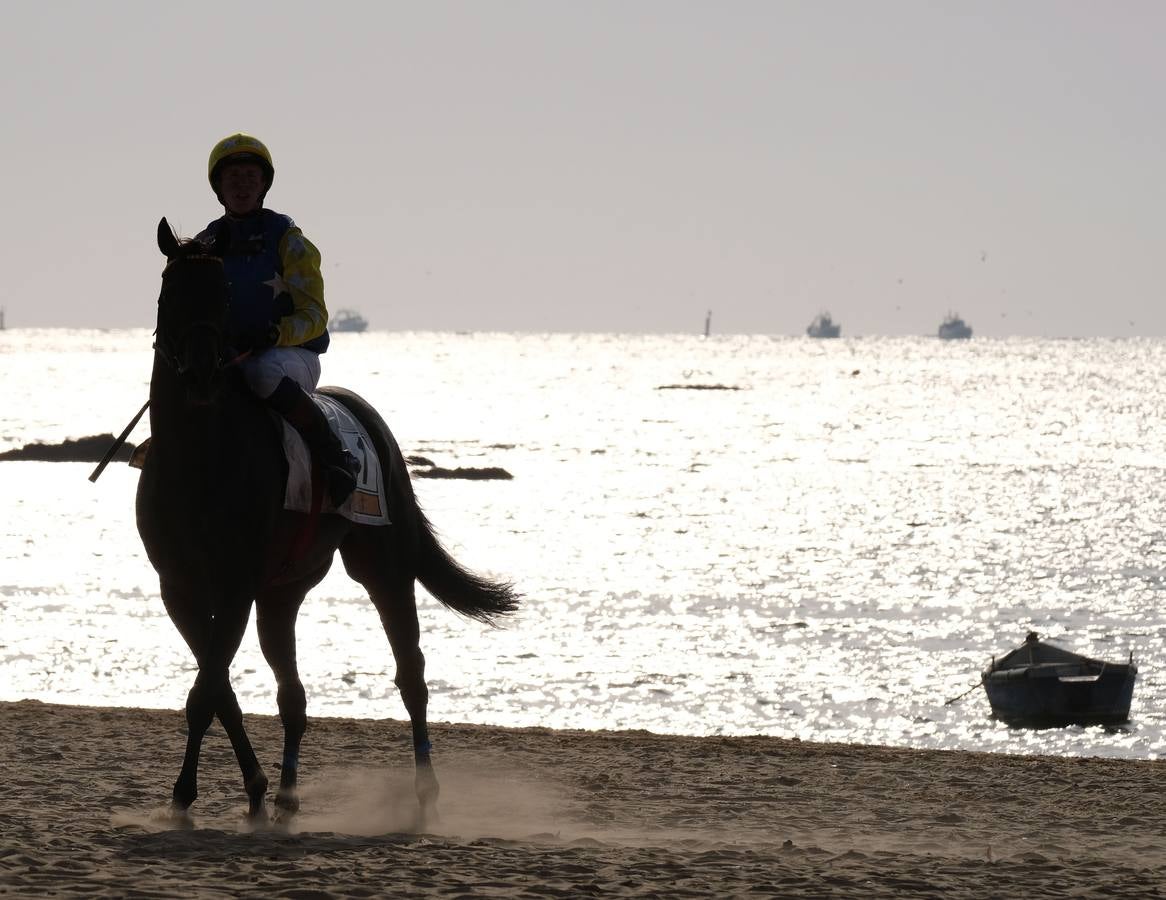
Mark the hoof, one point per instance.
(256, 788)
(287, 800)
(428, 817)
(177, 816)
(287, 804)
(427, 791)
(184, 794)
(426, 786)
(257, 809)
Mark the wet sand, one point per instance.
(541, 813)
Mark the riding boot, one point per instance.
(340, 467)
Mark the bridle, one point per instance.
(171, 351)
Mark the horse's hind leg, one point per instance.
(398, 611)
(276, 613)
(392, 593)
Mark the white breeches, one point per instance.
(264, 372)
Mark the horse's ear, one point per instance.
(222, 242)
(167, 242)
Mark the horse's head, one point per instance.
(192, 311)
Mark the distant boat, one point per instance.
(824, 327)
(347, 320)
(1041, 685)
(953, 328)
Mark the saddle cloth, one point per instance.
(366, 505)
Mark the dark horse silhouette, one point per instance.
(210, 514)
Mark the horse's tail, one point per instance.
(455, 586)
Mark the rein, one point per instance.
(121, 438)
(170, 357)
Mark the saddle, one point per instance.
(367, 505)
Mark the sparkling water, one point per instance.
(828, 542)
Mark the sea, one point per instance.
(735, 535)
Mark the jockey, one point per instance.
(277, 301)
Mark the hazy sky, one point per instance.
(608, 166)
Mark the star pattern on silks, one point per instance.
(278, 285)
(295, 247)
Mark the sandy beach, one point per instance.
(542, 813)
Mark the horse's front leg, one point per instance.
(254, 779)
(200, 712)
(276, 613)
(212, 693)
(293, 712)
(214, 640)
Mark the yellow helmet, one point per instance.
(244, 147)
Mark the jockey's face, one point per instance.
(241, 184)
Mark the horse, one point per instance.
(210, 514)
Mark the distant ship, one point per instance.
(347, 320)
(824, 327)
(953, 328)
